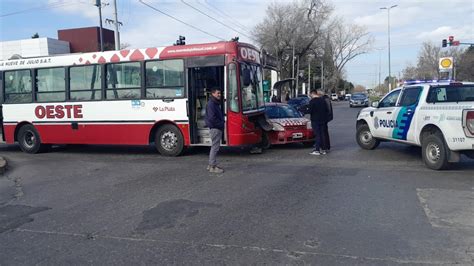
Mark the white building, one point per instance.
(33, 48)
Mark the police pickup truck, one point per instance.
(438, 116)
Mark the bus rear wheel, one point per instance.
(169, 141)
(29, 140)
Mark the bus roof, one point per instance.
(126, 55)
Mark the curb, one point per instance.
(3, 165)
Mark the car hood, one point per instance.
(290, 121)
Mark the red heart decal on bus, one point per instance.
(124, 53)
(137, 55)
(151, 52)
(155, 109)
(115, 58)
(101, 60)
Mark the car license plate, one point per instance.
(297, 135)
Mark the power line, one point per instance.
(177, 19)
(43, 7)
(216, 20)
(225, 16)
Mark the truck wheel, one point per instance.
(435, 152)
(30, 141)
(169, 141)
(365, 139)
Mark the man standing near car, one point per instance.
(215, 123)
(319, 111)
(326, 146)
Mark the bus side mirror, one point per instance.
(246, 77)
(375, 104)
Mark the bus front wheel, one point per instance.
(29, 140)
(169, 141)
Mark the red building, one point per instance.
(84, 40)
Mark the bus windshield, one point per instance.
(252, 95)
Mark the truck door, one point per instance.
(407, 105)
(384, 121)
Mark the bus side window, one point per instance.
(233, 89)
(85, 83)
(17, 86)
(123, 80)
(50, 85)
(165, 79)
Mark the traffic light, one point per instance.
(451, 39)
(445, 43)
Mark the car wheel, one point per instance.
(365, 139)
(435, 152)
(30, 141)
(169, 141)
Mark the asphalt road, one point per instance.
(129, 205)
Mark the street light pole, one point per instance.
(389, 65)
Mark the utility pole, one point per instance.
(309, 74)
(116, 35)
(293, 65)
(322, 75)
(99, 5)
(297, 76)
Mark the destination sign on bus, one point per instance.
(249, 54)
(59, 111)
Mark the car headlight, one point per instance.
(277, 127)
(308, 125)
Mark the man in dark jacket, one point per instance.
(319, 111)
(326, 145)
(215, 123)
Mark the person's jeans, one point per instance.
(326, 145)
(319, 131)
(216, 137)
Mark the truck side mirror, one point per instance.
(246, 77)
(375, 104)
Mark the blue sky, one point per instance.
(412, 23)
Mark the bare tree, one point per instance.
(344, 43)
(465, 67)
(428, 60)
(295, 25)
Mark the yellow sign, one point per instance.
(446, 63)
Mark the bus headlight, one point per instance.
(277, 127)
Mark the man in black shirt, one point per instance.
(319, 111)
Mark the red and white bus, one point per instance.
(132, 97)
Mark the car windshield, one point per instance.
(252, 95)
(298, 101)
(281, 111)
(359, 96)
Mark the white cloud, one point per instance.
(460, 33)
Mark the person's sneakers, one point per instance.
(208, 167)
(216, 170)
(315, 153)
(323, 152)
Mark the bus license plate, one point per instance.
(297, 135)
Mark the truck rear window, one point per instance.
(451, 93)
